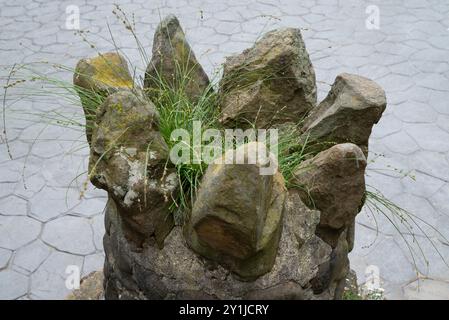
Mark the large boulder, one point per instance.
(333, 182)
(273, 82)
(237, 216)
(348, 113)
(173, 63)
(95, 78)
(128, 159)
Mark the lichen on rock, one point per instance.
(128, 159)
(95, 78)
(173, 63)
(271, 83)
(354, 104)
(237, 216)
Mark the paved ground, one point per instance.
(44, 226)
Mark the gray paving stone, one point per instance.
(443, 122)
(429, 137)
(401, 142)
(29, 186)
(69, 234)
(415, 112)
(50, 203)
(7, 188)
(442, 234)
(373, 71)
(93, 262)
(432, 163)
(18, 149)
(427, 289)
(9, 173)
(13, 206)
(17, 231)
(418, 212)
(394, 83)
(439, 199)
(90, 207)
(31, 256)
(46, 149)
(13, 284)
(387, 125)
(422, 185)
(434, 82)
(404, 68)
(394, 267)
(48, 282)
(438, 101)
(5, 255)
(60, 171)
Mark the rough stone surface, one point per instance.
(128, 159)
(10, 292)
(5, 255)
(352, 100)
(13, 206)
(427, 289)
(48, 282)
(17, 231)
(93, 262)
(270, 83)
(172, 60)
(176, 272)
(237, 216)
(333, 182)
(100, 76)
(31, 256)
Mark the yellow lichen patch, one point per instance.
(111, 70)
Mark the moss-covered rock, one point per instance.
(273, 82)
(354, 104)
(334, 183)
(237, 216)
(173, 63)
(96, 78)
(128, 159)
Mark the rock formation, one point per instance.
(96, 78)
(128, 159)
(246, 235)
(353, 105)
(173, 63)
(333, 182)
(271, 83)
(237, 216)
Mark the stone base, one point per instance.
(305, 267)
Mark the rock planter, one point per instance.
(247, 236)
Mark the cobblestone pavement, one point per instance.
(44, 226)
